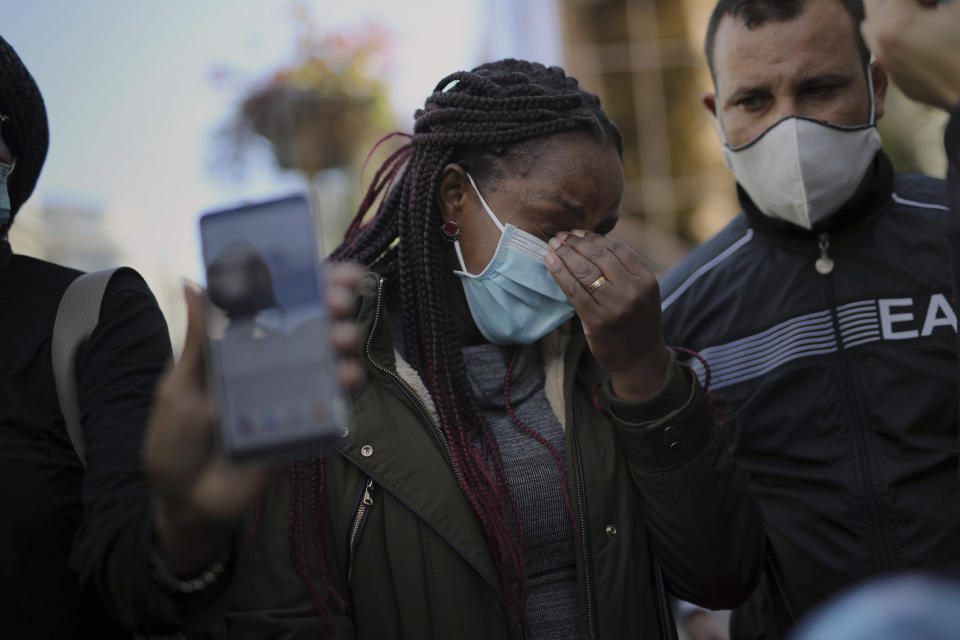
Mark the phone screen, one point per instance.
(270, 364)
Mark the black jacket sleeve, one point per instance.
(706, 529)
(117, 372)
(952, 146)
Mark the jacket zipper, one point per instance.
(860, 445)
(824, 264)
(407, 389)
(359, 519)
(582, 524)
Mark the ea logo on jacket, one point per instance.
(846, 327)
(899, 319)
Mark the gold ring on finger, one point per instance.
(596, 284)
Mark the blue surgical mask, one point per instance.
(514, 300)
(5, 171)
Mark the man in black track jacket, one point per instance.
(823, 313)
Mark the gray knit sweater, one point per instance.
(548, 541)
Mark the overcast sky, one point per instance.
(133, 104)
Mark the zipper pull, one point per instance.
(824, 264)
(358, 519)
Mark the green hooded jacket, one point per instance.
(405, 556)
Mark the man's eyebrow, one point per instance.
(746, 91)
(576, 209)
(823, 78)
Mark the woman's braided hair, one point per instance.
(483, 119)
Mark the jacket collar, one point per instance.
(871, 197)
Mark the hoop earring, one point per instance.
(451, 231)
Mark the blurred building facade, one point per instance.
(70, 235)
(644, 58)
(80, 237)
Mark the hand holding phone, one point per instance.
(199, 497)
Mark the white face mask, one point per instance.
(801, 169)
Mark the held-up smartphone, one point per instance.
(270, 365)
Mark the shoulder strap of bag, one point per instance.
(77, 317)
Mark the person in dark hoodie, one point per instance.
(74, 540)
(96, 551)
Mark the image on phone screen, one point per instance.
(271, 369)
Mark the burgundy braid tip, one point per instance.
(707, 375)
(257, 513)
(317, 486)
(597, 403)
(377, 146)
(557, 458)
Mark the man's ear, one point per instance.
(451, 191)
(880, 84)
(709, 100)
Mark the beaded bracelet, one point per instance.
(202, 581)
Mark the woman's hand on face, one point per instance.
(199, 497)
(618, 301)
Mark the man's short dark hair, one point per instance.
(756, 13)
